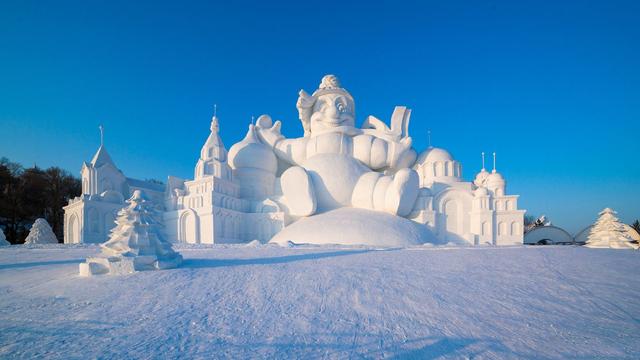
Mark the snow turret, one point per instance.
(213, 156)
(254, 166)
(495, 182)
(41, 233)
(609, 232)
(3, 239)
(135, 244)
(481, 177)
(101, 174)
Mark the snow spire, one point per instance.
(215, 126)
(213, 155)
(494, 162)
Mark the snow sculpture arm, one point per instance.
(378, 153)
(293, 151)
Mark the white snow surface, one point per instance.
(325, 302)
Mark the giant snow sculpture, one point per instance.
(41, 233)
(338, 183)
(136, 243)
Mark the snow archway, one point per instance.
(547, 235)
(189, 228)
(452, 226)
(73, 230)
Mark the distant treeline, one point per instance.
(30, 193)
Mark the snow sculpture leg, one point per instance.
(393, 194)
(297, 188)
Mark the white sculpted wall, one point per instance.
(338, 183)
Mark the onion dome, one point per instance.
(433, 154)
(437, 165)
(495, 179)
(251, 153)
(481, 178)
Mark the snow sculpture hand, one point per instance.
(400, 154)
(268, 134)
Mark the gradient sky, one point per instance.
(552, 87)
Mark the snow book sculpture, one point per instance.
(3, 239)
(41, 233)
(609, 232)
(135, 244)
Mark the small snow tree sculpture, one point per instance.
(609, 232)
(135, 243)
(3, 239)
(41, 233)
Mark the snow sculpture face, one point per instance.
(329, 108)
(330, 111)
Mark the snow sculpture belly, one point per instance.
(334, 177)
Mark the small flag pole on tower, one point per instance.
(483, 160)
(101, 134)
(215, 110)
(494, 161)
(429, 136)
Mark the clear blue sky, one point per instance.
(553, 87)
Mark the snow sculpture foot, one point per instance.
(395, 195)
(402, 192)
(297, 188)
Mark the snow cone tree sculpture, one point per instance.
(609, 232)
(135, 243)
(3, 239)
(41, 233)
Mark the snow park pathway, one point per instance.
(242, 302)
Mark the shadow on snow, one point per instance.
(210, 263)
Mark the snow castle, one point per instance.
(336, 184)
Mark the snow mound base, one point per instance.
(350, 226)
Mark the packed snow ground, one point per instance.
(267, 301)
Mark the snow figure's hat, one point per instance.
(135, 244)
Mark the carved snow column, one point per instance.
(254, 167)
(482, 224)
